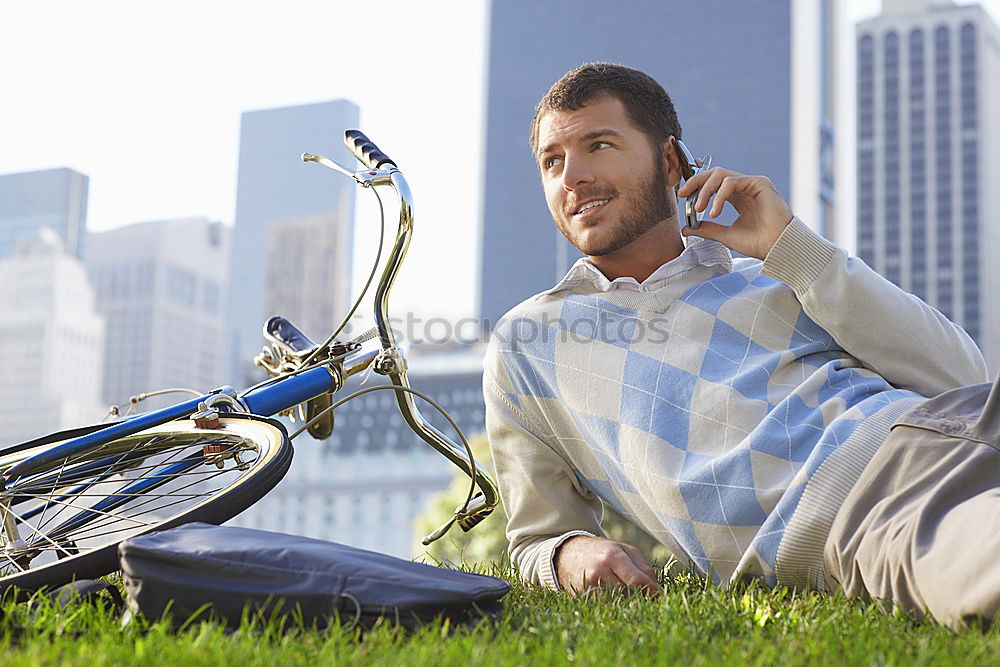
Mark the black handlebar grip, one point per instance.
(363, 149)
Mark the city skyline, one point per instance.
(441, 272)
(151, 112)
(157, 131)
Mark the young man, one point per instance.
(763, 417)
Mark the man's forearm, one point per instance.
(544, 500)
(907, 342)
(536, 560)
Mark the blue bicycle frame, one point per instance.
(266, 401)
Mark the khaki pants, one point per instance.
(921, 528)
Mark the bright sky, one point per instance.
(145, 98)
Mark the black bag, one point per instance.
(181, 569)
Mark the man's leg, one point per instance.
(921, 528)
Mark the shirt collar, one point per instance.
(699, 252)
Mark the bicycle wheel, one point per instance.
(66, 520)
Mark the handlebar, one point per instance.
(365, 150)
(467, 515)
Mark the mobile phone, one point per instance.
(692, 219)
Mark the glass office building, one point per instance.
(275, 186)
(928, 86)
(52, 198)
(751, 81)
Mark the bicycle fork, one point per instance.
(12, 543)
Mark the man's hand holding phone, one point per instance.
(763, 214)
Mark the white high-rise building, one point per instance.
(929, 158)
(308, 277)
(51, 342)
(162, 287)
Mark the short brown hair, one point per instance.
(646, 102)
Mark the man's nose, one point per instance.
(576, 172)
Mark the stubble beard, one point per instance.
(652, 204)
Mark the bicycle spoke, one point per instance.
(206, 474)
(103, 479)
(86, 535)
(75, 475)
(10, 561)
(70, 510)
(201, 476)
(99, 512)
(31, 484)
(97, 523)
(40, 534)
(41, 518)
(139, 443)
(134, 495)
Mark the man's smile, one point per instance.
(590, 205)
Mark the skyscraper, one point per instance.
(51, 342)
(751, 82)
(161, 287)
(53, 198)
(306, 280)
(275, 185)
(929, 156)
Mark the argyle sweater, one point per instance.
(724, 406)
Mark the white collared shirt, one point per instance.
(699, 252)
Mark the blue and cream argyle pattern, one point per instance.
(699, 410)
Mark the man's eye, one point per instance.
(598, 145)
(550, 162)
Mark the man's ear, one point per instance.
(672, 161)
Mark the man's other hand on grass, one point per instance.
(585, 563)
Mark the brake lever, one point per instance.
(466, 516)
(365, 178)
(328, 163)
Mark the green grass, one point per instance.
(690, 624)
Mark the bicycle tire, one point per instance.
(137, 477)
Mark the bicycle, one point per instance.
(69, 498)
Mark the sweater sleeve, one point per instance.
(544, 501)
(895, 334)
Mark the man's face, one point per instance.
(605, 184)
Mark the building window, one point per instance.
(182, 285)
(968, 76)
(970, 183)
(210, 299)
(145, 278)
(866, 133)
(943, 168)
(918, 167)
(892, 159)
